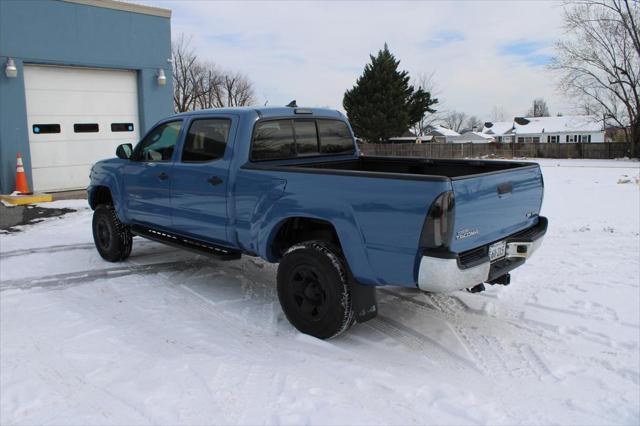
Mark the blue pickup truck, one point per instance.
(289, 185)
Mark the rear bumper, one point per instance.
(450, 272)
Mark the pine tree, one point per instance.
(383, 104)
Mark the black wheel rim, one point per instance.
(103, 233)
(309, 292)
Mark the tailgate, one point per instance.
(492, 206)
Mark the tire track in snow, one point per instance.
(66, 379)
(82, 277)
(418, 342)
(482, 347)
(260, 387)
(215, 300)
(257, 390)
(65, 247)
(521, 358)
(252, 298)
(50, 249)
(492, 354)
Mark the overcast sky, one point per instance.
(481, 53)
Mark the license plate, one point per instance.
(497, 250)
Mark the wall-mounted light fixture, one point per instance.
(161, 78)
(10, 69)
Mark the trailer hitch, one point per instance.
(501, 280)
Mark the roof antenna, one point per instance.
(292, 104)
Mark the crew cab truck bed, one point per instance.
(289, 185)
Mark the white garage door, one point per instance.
(76, 117)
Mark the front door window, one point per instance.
(159, 144)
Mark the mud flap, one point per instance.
(363, 300)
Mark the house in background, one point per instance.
(563, 129)
(501, 131)
(410, 137)
(473, 137)
(441, 134)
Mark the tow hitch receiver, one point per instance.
(501, 280)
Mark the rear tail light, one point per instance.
(438, 226)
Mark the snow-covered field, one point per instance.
(171, 338)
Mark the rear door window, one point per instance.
(273, 140)
(206, 140)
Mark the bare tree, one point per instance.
(426, 83)
(206, 78)
(199, 84)
(237, 90)
(473, 122)
(600, 62)
(538, 109)
(454, 120)
(184, 60)
(498, 113)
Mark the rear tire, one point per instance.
(111, 237)
(314, 291)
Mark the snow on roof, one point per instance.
(444, 131)
(563, 124)
(566, 123)
(473, 137)
(411, 138)
(498, 128)
(482, 135)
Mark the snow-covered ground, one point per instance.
(171, 338)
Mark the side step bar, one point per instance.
(178, 241)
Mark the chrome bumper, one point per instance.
(439, 275)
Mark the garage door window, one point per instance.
(122, 127)
(86, 128)
(206, 140)
(159, 144)
(45, 128)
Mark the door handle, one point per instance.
(214, 180)
(163, 176)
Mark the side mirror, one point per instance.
(124, 151)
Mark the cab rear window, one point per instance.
(335, 137)
(291, 138)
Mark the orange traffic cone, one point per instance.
(22, 187)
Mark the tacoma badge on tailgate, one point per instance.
(466, 233)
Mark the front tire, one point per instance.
(112, 239)
(314, 291)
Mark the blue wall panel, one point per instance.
(13, 127)
(61, 33)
